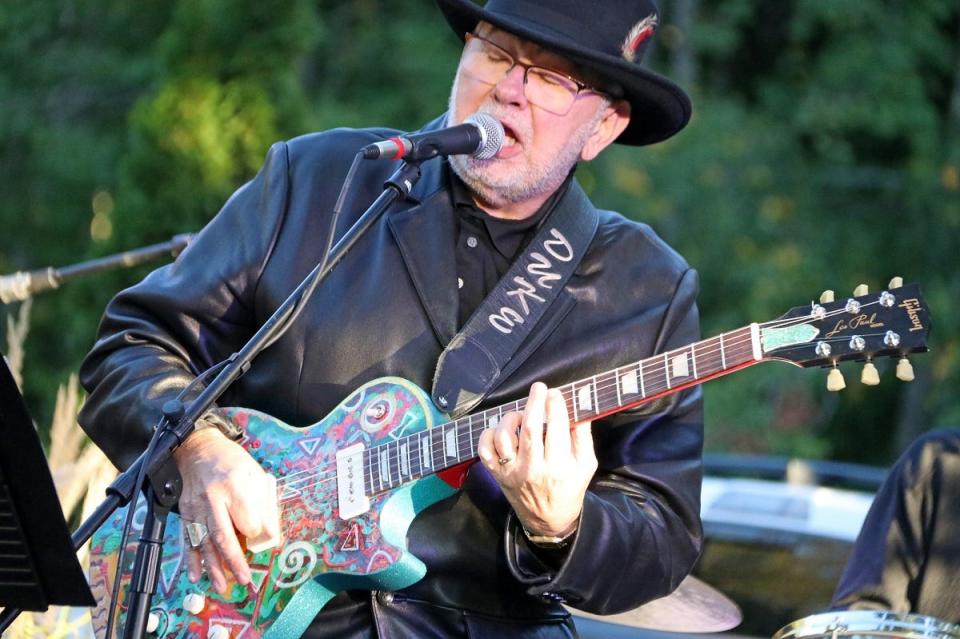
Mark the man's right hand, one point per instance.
(226, 490)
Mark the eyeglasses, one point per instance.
(548, 89)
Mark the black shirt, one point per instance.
(488, 245)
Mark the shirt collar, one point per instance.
(507, 236)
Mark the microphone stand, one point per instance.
(18, 286)
(164, 485)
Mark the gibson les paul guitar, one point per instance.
(350, 485)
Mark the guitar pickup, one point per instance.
(352, 497)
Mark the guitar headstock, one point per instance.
(892, 323)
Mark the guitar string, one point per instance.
(658, 376)
(654, 378)
(318, 477)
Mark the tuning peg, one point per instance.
(826, 297)
(861, 290)
(904, 370)
(835, 380)
(870, 376)
(896, 282)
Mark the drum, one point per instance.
(868, 623)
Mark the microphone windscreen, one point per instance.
(491, 132)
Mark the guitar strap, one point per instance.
(474, 360)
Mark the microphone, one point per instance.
(480, 136)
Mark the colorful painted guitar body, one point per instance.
(350, 485)
(321, 553)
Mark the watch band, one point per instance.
(550, 541)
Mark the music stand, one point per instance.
(38, 563)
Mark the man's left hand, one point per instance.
(542, 464)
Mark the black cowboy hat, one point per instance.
(607, 37)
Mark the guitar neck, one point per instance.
(446, 445)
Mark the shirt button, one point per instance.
(472, 242)
(385, 597)
(459, 282)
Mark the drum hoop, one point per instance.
(844, 623)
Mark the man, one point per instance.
(604, 518)
(907, 556)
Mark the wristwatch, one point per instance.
(211, 419)
(549, 541)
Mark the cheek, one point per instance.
(468, 96)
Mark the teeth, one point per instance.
(509, 139)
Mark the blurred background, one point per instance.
(823, 152)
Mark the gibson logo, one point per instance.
(912, 307)
(856, 322)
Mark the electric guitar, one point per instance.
(350, 485)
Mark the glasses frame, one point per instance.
(581, 86)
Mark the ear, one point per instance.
(615, 119)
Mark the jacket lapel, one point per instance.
(426, 235)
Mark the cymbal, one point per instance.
(692, 607)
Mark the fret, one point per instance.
(436, 448)
(370, 482)
(470, 437)
(616, 383)
(643, 391)
(573, 402)
(693, 359)
(596, 402)
(604, 400)
(723, 356)
(666, 371)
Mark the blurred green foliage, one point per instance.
(823, 153)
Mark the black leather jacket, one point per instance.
(389, 309)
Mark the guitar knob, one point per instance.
(896, 282)
(835, 380)
(870, 376)
(826, 297)
(194, 603)
(904, 370)
(153, 622)
(217, 631)
(861, 290)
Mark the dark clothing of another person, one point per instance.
(907, 557)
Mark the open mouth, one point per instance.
(510, 137)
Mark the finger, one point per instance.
(228, 546)
(505, 436)
(531, 432)
(556, 442)
(487, 451)
(583, 449)
(194, 565)
(270, 537)
(213, 566)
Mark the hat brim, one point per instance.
(659, 108)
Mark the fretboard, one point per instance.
(446, 445)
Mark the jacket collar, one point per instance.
(425, 230)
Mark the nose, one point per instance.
(510, 88)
